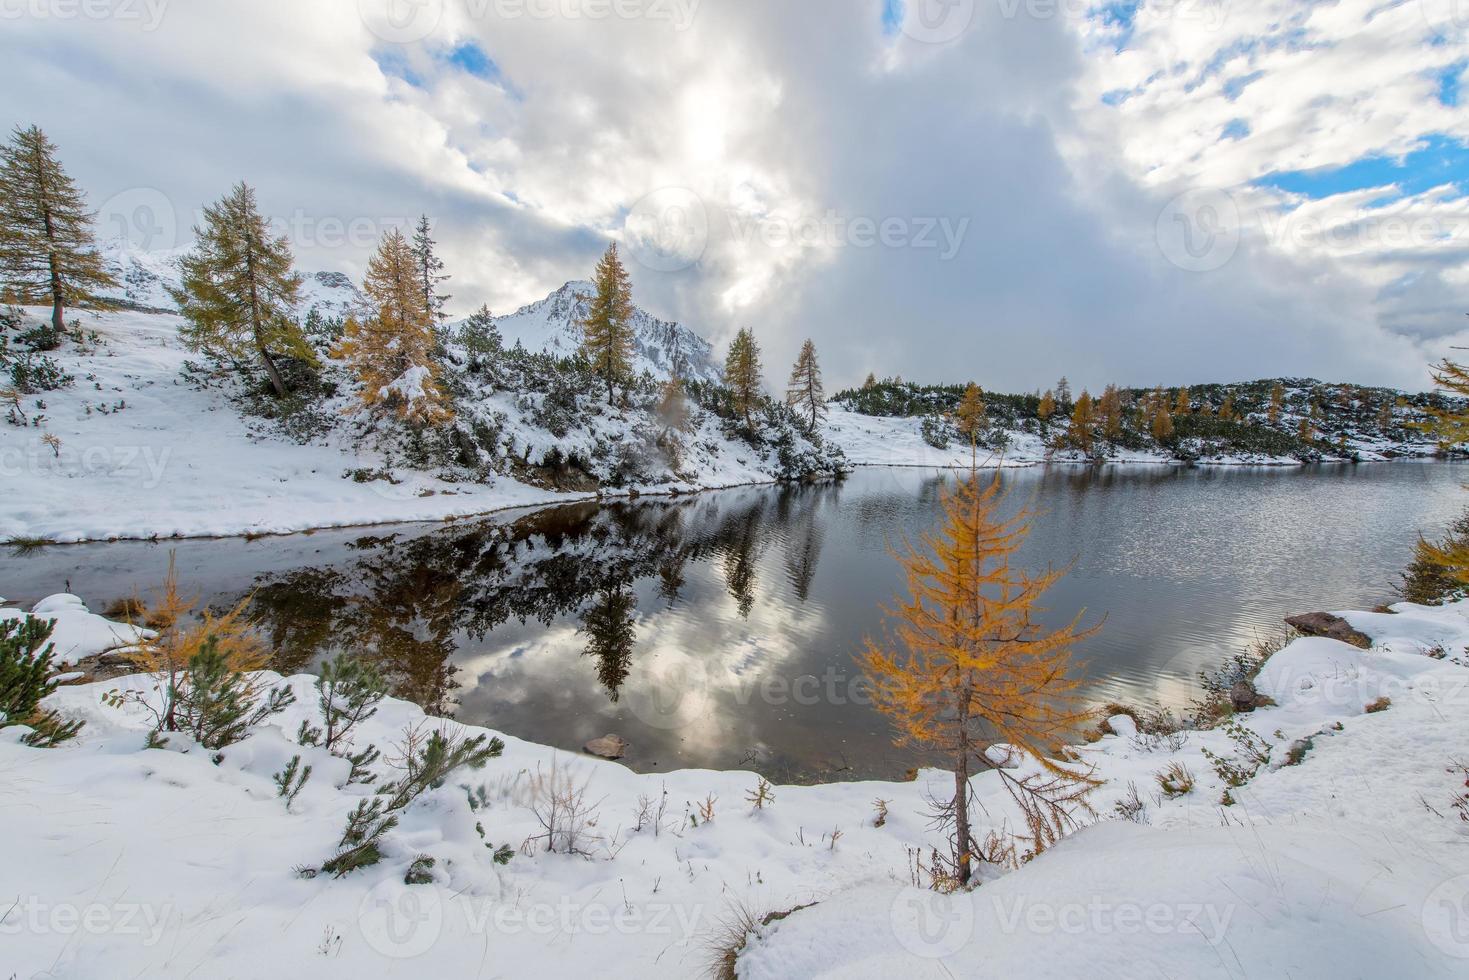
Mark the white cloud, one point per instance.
(786, 121)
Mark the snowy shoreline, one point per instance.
(1341, 854)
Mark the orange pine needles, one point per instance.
(965, 663)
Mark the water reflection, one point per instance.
(718, 630)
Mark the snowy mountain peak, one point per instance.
(661, 347)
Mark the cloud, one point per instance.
(931, 197)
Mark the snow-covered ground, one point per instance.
(145, 453)
(125, 861)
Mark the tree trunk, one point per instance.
(270, 369)
(58, 303)
(962, 835)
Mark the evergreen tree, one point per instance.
(1226, 411)
(1162, 424)
(608, 326)
(26, 677)
(804, 392)
(870, 383)
(1109, 409)
(742, 374)
(237, 290)
(391, 352)
(1083, 419)
(47, 247)
(1450, 426)
(966, 664)
(1277, 402)
(430, 270)
(1047, 407)
(970, 419)
(1063, 392)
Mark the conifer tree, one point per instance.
(965, 663)
(1226, 411)
(430, 269)
(742, 374)
(1162, 424)
(607, 330)
(1306, 432)
(611, 635)
(238, 291)
(1063, 392)
(870, 383)
(1083, 418)
(970, 418)
(1109, 409)
(1183, 405)
(1450, 426)
(1385, 416)
(47, 246)
(1277, 402)
(804, 392)
(1047, 407)
(391, 352)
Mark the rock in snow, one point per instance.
(608, 746)
(1330, 626)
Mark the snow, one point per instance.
(147, 453)
(659, 346)
(78, 633)
(122, 861)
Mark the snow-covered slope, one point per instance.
(661, 347)
(1351, 862)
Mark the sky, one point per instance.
(1004, 191)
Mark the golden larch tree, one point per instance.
(1109, 412)
(1183, 405)
(742, 374)
(1277, 402)
(1162, 424)
(964, 664)
(607, 332)
(804, 393)
(970, 418)
(392, 351)
(1047, 407)
(1083, 420)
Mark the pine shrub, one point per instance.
(25, 671)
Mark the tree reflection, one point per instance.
(608, 624)
(410, 602)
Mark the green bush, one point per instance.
(25, 678)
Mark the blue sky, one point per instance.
(1437, 160)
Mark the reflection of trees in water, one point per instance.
(404, 601)
(608, 624)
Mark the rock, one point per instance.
(608, 747)
(1329, 626)
(1243, 696)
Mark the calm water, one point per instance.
(718, 630)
